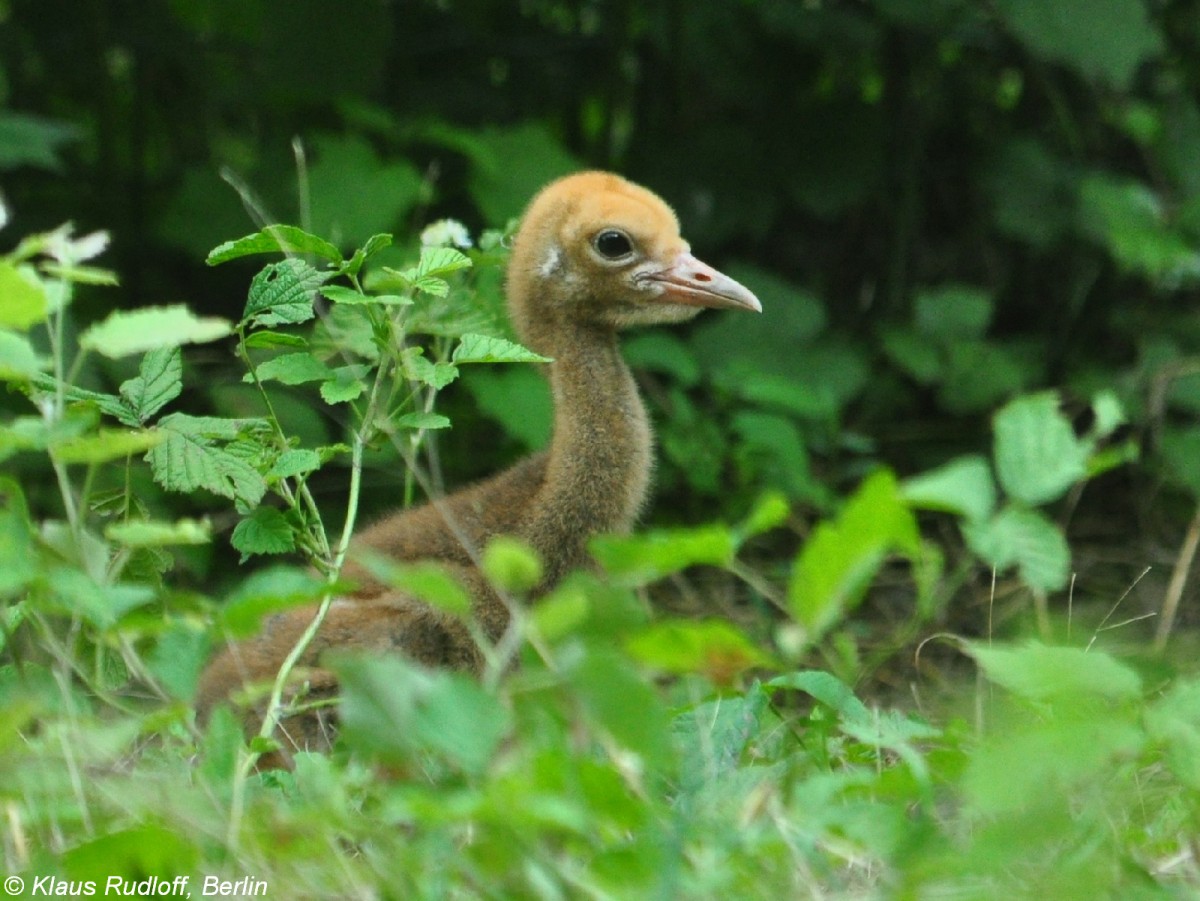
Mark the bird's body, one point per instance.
(594, 254)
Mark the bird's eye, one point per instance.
(612, 244)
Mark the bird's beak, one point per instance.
(689, 281)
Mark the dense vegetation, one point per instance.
(912, 613)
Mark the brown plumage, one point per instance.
(594, 254)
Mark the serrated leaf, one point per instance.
(474, 348)
(158, 382)
(1026, 539)
(422, 421)
(283, 292)
(126, 332)
(22, 298)
(19, 362)
(1037, 454)
(265, 531)
(274, 239)
(292, 369)
(346, 385)
(441, 261)
(964, 486)
(421, 369)
(188, 458)
(104, 445)
(145, 533)
(295, 462)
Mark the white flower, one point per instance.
(446, 233)
(72, 251)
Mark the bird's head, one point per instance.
(594, 249)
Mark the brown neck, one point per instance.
(601, 454)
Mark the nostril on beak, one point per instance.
(702, 277)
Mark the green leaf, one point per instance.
(391, 708)
(282, 293)
(829, 690)
(643, 558)
(1131, 222)
(291, 369)
(770, 511)
(373, 245)
(618, 701)
(101, 605)
(441, 261)
(842, 556)
(1102, 39)
(1173, 720)
(354, 194)
(713, 648)
(1023, 538)
(963, 486)
(348, 296)
(295, 462)
(1037, 454)
(422, 421)
(146, 533)
(268, 591)
(126, 332)
(19, 561)
(104, 445)
(265, 531)
(474, 348)
(421, 369)
(272, 340)
(346, 385)
(274, 239)
(511, 565)
(426, 580)
(22, 298)
(189, 458)
(19, 362)
(158, 382)
(952, 312)
(1039, 672)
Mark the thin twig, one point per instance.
(1179, 577)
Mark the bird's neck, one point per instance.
(600, 456)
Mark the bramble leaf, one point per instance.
(274, 239)
(283, 292)
(126, 332)
(291, 369)
(158, 382)
(265, 531)
(474, 348)
(189, 457)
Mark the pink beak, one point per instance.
(689, 281)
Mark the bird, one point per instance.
(594, 254)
